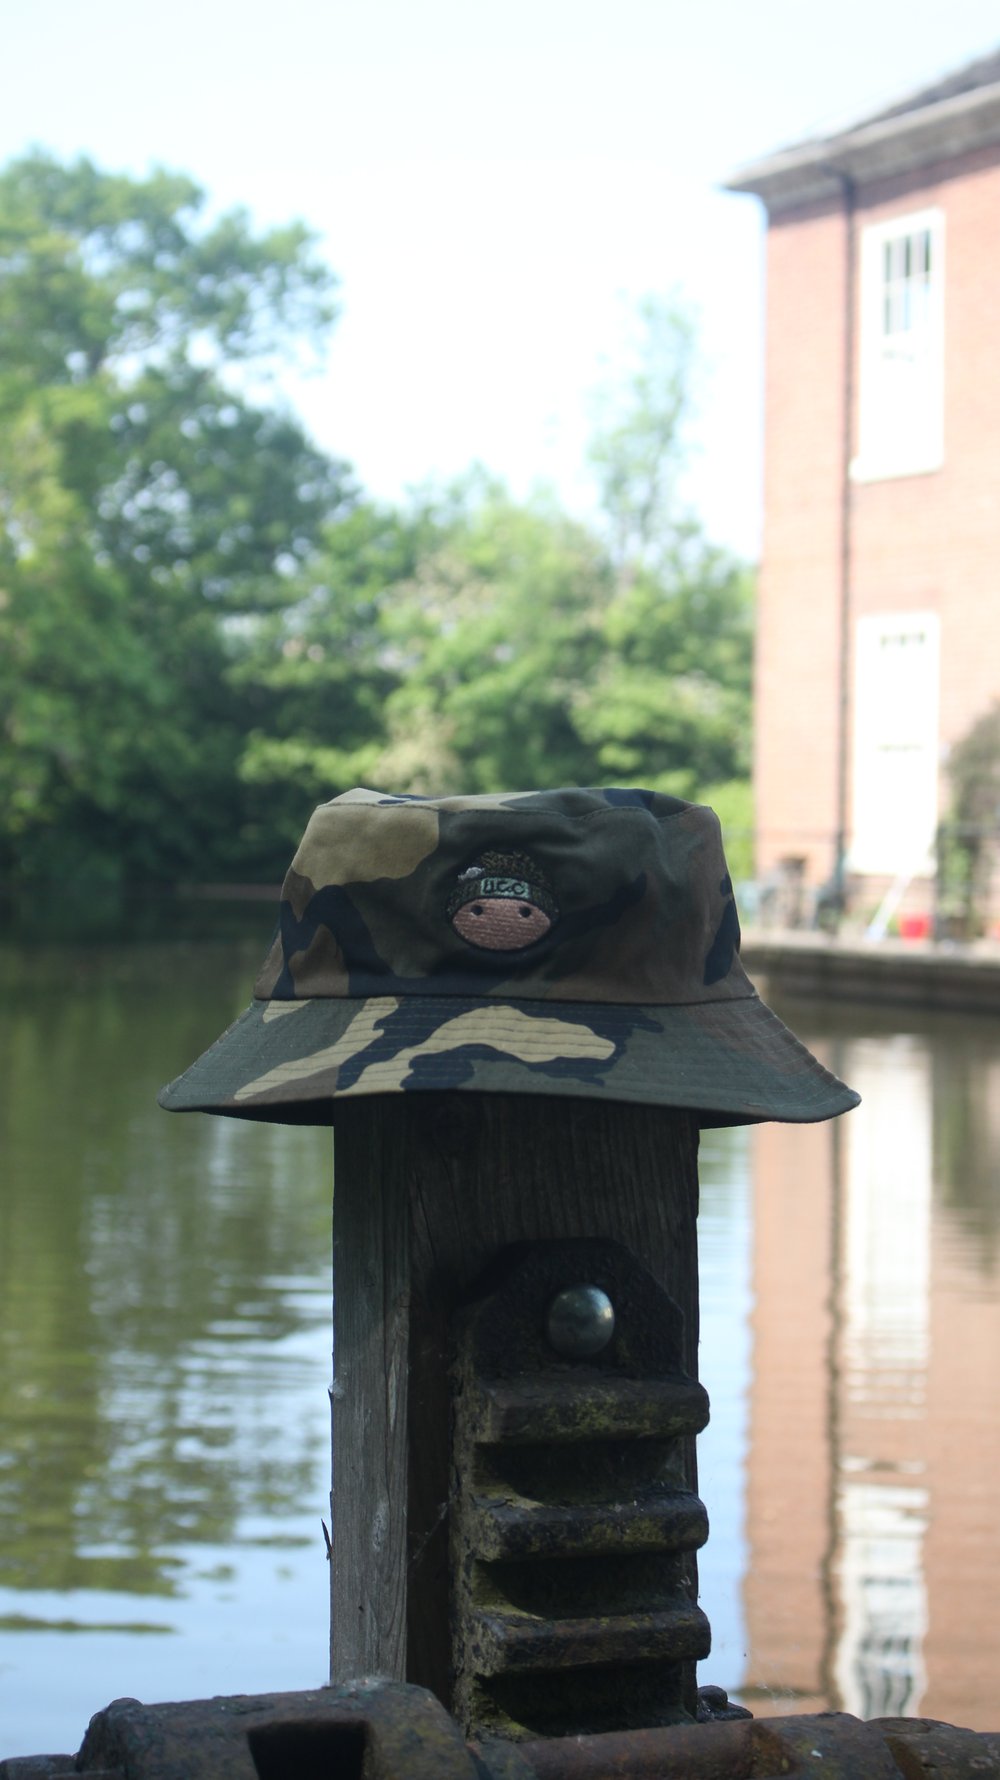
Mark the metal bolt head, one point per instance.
(580, 1322)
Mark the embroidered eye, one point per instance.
(525, 911)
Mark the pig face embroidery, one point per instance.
(502, 903)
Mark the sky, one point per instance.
(495, 186)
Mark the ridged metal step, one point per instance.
(508, 1526)
(575, 1526)
(557, 1406)
(505, 1639)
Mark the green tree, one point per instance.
(968, 838)
(317, 674)
(670, 702)
(204, 628)
(149, 507)
(494, 639)
(434, 649)
(493, 645)
(638, 446)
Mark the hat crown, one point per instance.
(577, 895)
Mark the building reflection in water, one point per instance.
(872, 1580)
(880, 1351)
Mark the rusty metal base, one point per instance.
(386, 1730)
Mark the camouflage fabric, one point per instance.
(558, 942)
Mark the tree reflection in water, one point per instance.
(164, 1346)
(164, 1357)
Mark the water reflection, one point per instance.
(164, 1341)
(873, 1572)
(164, 1357)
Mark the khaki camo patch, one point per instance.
(521, 1036)
(361, 1032)
(276, 1010)
(352, 849)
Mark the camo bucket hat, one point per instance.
(556, 942)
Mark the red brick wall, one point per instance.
(796, 681)
(918, 542)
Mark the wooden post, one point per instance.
(429, 1190)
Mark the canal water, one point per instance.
(165, 1335)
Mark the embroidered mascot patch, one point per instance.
(502, 903)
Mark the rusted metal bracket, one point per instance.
(813, 1746)
(573, 1526)
(386, 1730)
(368, 1730)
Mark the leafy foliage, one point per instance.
(205, 629)
(968, 840)
(670, 700)
(495, 637)
(637, 451)
(146, 507)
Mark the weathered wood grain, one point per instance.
(429, 1189)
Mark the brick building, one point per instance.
(879, 615)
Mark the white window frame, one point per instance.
(901, 359)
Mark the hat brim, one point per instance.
(730, 1061)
